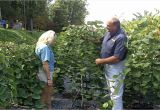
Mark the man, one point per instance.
(113, 54)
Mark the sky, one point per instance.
(123, 9)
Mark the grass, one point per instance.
(19, 36)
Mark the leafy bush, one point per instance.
(76, 51)
(143, 73)
(18, 69)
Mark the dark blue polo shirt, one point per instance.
(114, 44)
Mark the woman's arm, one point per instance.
(46, 70)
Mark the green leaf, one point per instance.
(36, 96)
(39, 105)
(105, 105)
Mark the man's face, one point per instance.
(111, 27)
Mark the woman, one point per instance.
(45, 54)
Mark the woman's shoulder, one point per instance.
(42, 46)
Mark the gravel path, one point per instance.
(61, 103)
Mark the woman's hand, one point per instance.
(49, 82)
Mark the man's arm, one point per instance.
(109, 60)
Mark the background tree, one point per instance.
(66, 12)
(35, 9)
(24, 10)
(11, 9)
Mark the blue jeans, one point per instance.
(115, 77)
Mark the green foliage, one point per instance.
(18, 69)
(62, 13)
(76, 51)
(107, 104)
(12, 8)
(143, 78)
(42, 23)
(66, 12)
(15, 9)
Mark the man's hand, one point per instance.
(99, 61)
(49, 82)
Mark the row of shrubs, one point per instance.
(76, 49)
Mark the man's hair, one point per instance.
(116, 22)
